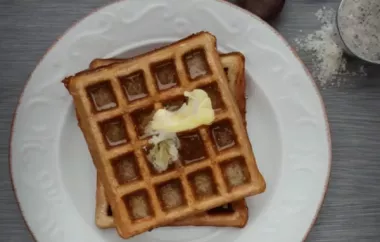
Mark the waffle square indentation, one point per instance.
(191, 147)
(114, 132)
(141, 119)
(223, 135)
(196, 64)
(134, 85)
(138, 205)
(102, 96)
(235, 172)
(165, 74)
(203, 184)
(171, 195)
(126, 169)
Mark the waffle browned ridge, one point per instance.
(234, 214)
(116, 102)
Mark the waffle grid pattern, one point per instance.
(234, 214)
(152, 188)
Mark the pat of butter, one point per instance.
(198, 111)
(164, 151)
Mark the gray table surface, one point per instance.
(351, 211)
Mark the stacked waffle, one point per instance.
(117, 98)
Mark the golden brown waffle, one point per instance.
(115, 103)
(234, 214)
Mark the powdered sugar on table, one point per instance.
(328, 59)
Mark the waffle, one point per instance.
(234, 214)
(115, 103)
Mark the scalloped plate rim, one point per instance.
(233, 6)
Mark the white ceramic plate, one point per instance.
(52, 171)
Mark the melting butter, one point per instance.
(165, 124)
(164, 151)
(196, 112)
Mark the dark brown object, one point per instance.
(265, 9)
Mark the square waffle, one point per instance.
(234, 214)
(115, 103)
